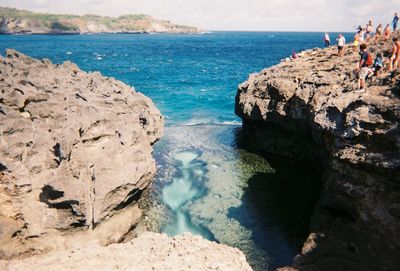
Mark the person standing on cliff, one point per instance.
(387, 32)
(341, 41)
(363, 69)
(368, 29)
(378, 64)
(327, 40)
(356, 40)
(378, 32)
(394, 59)
(395, 22)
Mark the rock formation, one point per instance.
(13, 21)
(150, 251)
(75, 153)
(75, 158)
(306, 110)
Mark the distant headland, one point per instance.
(14, 21)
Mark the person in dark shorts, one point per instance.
(378, 64)
(363, 69)
(327, 40)
(341, 41)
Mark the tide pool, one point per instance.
(208, 185)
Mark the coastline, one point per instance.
(105, 33)
(270, 68)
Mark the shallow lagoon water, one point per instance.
(206, 184)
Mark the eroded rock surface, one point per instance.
(306, 110)
(75, 154)
(150, 251)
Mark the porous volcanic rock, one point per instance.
(306, 110)
(75, 154)
(150, 251)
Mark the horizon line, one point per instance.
(164, 19)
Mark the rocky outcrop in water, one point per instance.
(14, 21)
(306, 111)
(75, 154)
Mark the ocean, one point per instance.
(207, 183)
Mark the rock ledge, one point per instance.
(306, 110)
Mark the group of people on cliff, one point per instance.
(364, 35)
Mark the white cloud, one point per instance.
(297, 15)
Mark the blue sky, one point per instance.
(256, 15)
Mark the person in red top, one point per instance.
(394, 60)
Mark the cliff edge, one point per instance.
(306, 110)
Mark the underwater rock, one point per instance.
(307, 111)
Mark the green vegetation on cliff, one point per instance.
(14, 21)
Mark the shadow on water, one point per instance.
(277, 206)
(281, 204)
(209, 184)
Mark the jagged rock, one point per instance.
(306, 110)
(150, 251)
(75, 154)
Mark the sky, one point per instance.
(249, 15)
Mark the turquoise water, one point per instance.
(206, 183)
(191, 78)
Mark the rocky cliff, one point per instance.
(13, 21)
(307, 111)
(75, 154)
(75, 159)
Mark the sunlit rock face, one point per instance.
(307, 111)
(148, 252)
(75, 152)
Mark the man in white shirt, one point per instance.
(327, 40)
(341, 41)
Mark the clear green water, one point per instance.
(207, 185)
